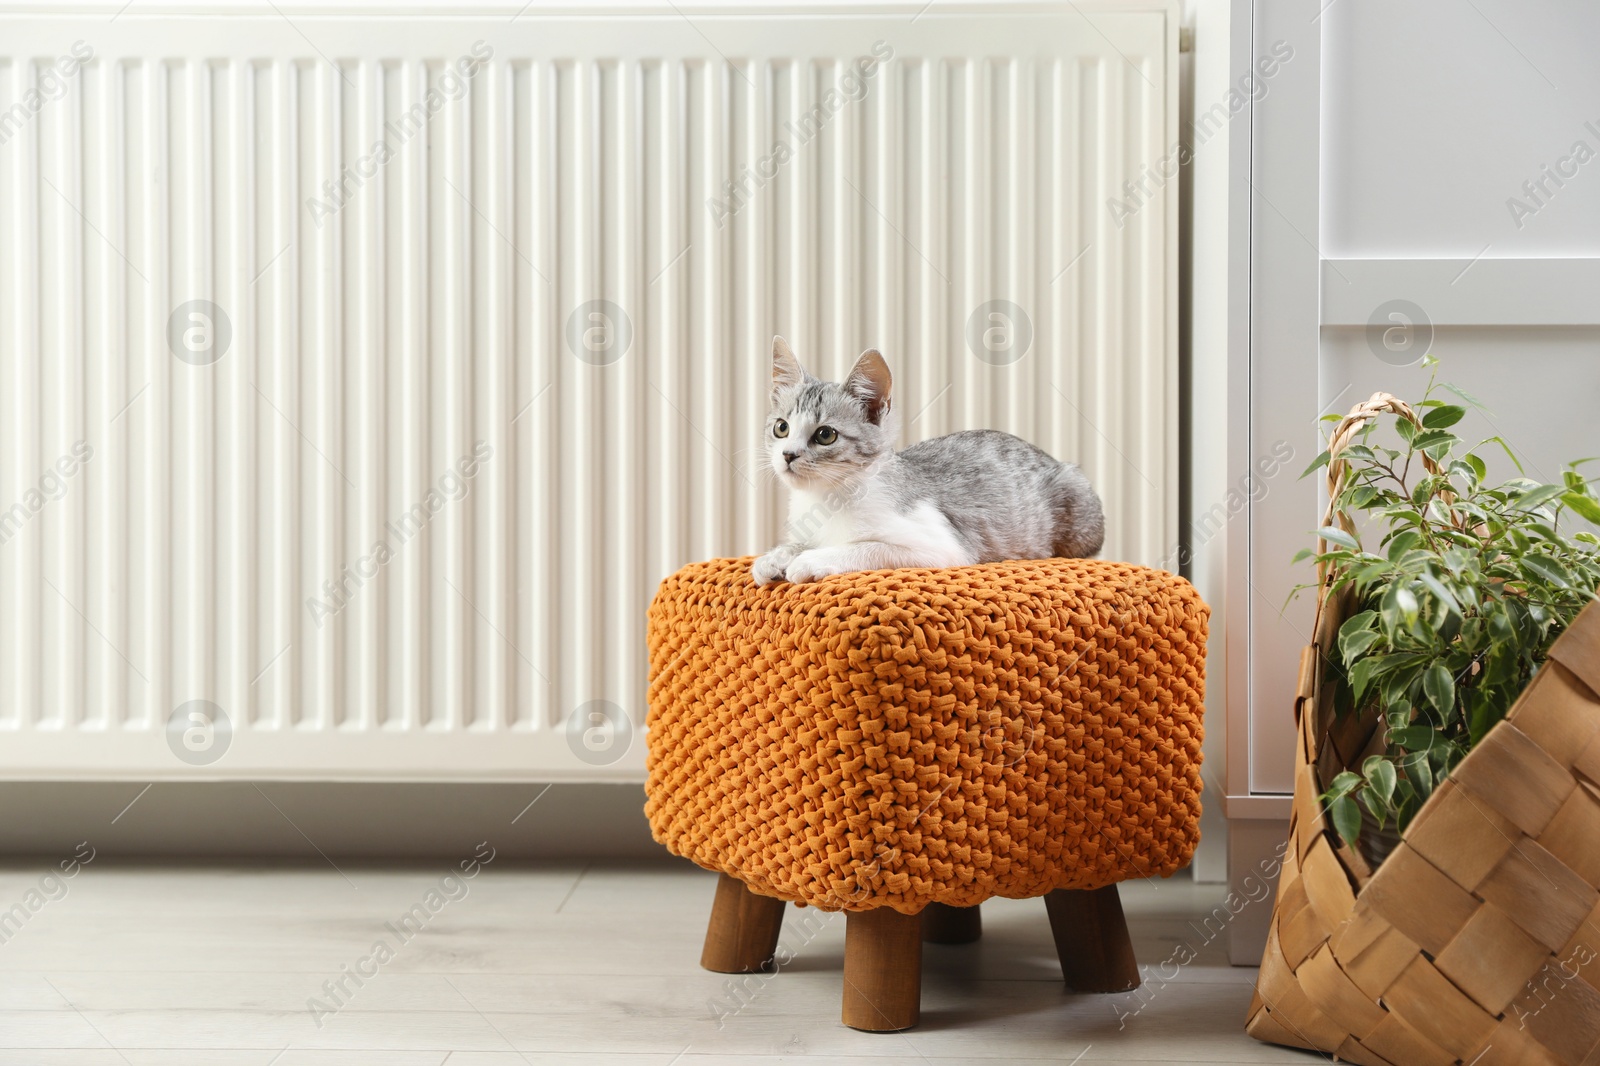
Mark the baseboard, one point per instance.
(1255, 854)
(299, 820)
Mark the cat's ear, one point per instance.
(786, 369)
(869, 382)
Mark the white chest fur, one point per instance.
(840, 518)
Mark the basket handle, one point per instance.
(1344, 435)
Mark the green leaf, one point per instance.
(1403, 542)
(1471, 400)
(1538, 495)
(1316, 464)
(1346, 781)
(1507, 448)
(1544, 530)
(1362, 673)
(1400, 598)
(1465, 471)
(1542, 567)
(1398, 515)
(1443, 594)
(1440, 688)
(1335, 535)
(1440, 417)
(1381, 778)
(1354, 645)
(1370, 573)
(1583, 506)
(1477, 465)
(1413, 738)
(1346, 818)
(1417, 769)
(1431, 439)
(1361, 497)
(1482, 719)
(1398, 685)
(1398, 716)
(1359, 620)
(1343, 783)
(1352, 629)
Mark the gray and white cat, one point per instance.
(856, 504)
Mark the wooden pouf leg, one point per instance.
(942, 924)
(743, 934)
(882, 970)
(1092, 940)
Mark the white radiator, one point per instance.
(360, 377)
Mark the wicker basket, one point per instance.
(1478, 939)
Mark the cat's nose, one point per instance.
(790, 457)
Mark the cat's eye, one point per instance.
(825, 435)
(780, 428)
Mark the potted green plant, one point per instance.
(1459, 588)
(1440, 862)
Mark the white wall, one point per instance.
(1435, 112)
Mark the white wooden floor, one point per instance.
(214, 965)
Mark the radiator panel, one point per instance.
(408, 296)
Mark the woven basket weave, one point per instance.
(1478, 939)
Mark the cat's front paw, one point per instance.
(810, 566)
(771, 566)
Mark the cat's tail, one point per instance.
(1080, 520)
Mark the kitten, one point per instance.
(856, 504)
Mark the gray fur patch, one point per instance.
(1005, 498)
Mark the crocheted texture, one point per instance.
(903, 737)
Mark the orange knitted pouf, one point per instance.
(896, 738)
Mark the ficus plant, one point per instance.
(1460, 587)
